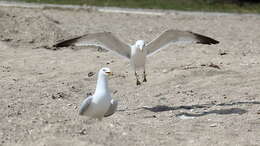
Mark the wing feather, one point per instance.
(85, 105)
(173, 36)
(105, 40)
(112, 108)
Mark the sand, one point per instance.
(187, 100)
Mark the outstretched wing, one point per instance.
(112, 108)
(174, 36)
(105, 40)
(85, 105)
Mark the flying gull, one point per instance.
(100, 104)
(138, 52)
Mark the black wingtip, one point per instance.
(66, 43)
(81, 110)
(81, 113)
(205, 40)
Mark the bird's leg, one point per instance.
(137, 80)
(144, 76)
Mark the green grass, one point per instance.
(186, 5)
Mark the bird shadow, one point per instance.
(162, 108)
(219, 112)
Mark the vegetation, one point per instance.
(243, 6)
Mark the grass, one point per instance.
(186, 5)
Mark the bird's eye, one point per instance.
(104, 70)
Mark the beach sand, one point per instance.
(195, 95)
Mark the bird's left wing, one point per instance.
(104, 40)
(112, 108)
(84, 105)
(174, 36)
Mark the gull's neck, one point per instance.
(102, 84)
(136, 46)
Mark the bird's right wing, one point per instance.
(84, 105)
(173, 36)
(104, 40)
(112, 108)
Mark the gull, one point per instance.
(100, 104)
(138, 52)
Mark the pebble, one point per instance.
(83, 132)
(59, 95)
(31, 41)
(124, 133)
(90, 74)
(178, 86)
(213, 125)
(115, 92)
(152, 116)
(112, 126)
(157, 95)
(184, 117)
(89, 94)
(145, 106)
(7, 39)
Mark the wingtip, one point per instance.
(205, 40)
(66, 43)
(55, 45)
(81, 112)
(215, 42)
(60, 44)
(209, 42)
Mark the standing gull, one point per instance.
(136, 53)
(100, 104)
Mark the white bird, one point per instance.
(136, 53)
(100, 104)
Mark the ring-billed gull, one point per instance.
(100, 104)
(136, 53)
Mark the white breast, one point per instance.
(138, 58)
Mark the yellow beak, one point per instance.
(109, 73)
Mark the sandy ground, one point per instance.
(184, 102)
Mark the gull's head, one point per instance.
(105, 71)
(140, 44)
